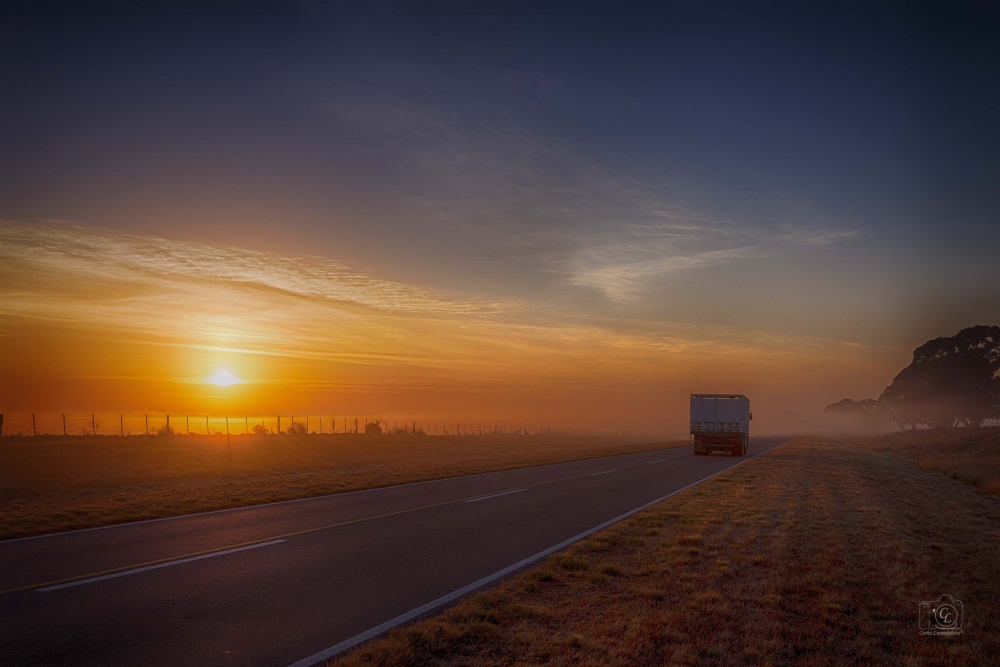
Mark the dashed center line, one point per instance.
(114, 575)
(652, 462)
(604, 472)
(495, 495)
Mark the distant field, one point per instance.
(57, 483)
(969, 454)
(816, 553)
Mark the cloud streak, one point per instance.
(138, 312)
(617, 226)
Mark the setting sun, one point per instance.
(224, 379)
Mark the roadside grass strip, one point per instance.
(971, 455)
(816, 553)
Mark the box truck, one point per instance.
(720, 423)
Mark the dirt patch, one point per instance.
(817, 553)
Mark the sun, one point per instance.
(223, 379)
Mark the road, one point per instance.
(295, 582)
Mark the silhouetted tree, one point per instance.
(867, 410)
(847, 407)
(951, 381)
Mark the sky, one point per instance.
(522, 213)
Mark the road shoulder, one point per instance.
(816, 551)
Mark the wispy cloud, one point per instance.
(624, 280)
(816, 238)
(144, 313)
(613, 225)
(623, 267)
(216, 297)
(82, 251)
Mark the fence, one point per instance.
(77, 424)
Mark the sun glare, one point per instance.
(223, 379)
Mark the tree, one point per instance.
(952, 381)
(866, 410)
(847, 407)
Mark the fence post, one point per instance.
(93, 424)
(168, 423)
(279, 423)
(33, 431)
(321, 426)
(64, 423)
(207, 430)
(121, 424)
(187, 424)
(246, 425)
(227, 425)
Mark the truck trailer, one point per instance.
(720, 423)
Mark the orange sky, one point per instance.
(99, 321)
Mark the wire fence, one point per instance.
(105, 424)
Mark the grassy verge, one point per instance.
(817, 553)
(968, 454)
(58, 483)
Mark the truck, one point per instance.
(720, 423)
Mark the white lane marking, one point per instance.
(652, 462)
(347, 644)
(495, 495)
(329, 495)
(152, 567)
(604, 472)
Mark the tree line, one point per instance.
(952, 381)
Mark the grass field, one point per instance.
(969, 454)
(58, 483)
(817, 553)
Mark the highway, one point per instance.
(295, 583)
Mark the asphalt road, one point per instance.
(287, 583)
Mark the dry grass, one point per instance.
(969, 454)
(57, 483)
(817, 553)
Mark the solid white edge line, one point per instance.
(495, 495)
(329, 495)
(152, 567)
(328, 653)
